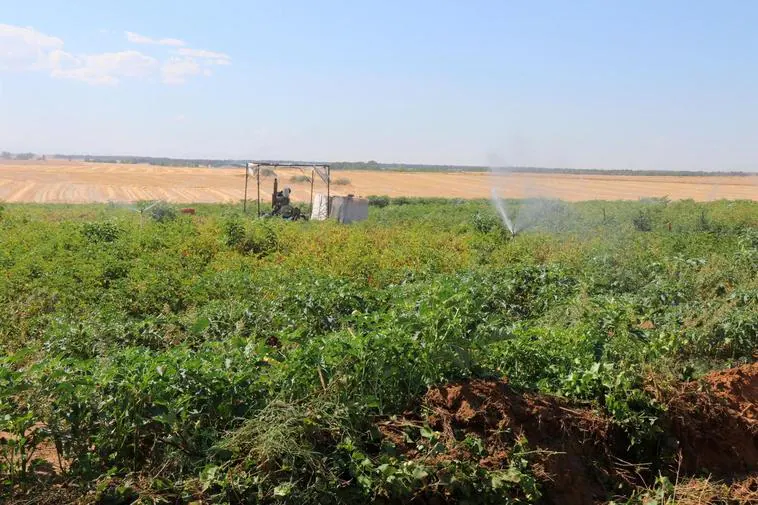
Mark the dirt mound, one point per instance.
(570, 447)
(715, 422)
(738, 387)
(577, 453)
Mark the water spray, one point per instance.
(500, 206)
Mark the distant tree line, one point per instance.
(5, 155)
(408, 167)
(149, 160)
(404, 167)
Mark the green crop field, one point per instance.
(218, 358)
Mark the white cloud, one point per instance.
(59, 59)
(104, 68)
(136, 38)
(191, 62)
(176, 70)
(24, 48)
(209, 55)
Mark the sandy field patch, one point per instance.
(58, 181)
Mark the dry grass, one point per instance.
(702, 491)
(77, 182)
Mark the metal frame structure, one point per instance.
(324, 171)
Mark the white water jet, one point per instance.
(500, 206)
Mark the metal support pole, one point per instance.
(313, 174)
(328, 191)
(258, 173)
(247, 172)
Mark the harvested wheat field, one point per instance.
(78, 182)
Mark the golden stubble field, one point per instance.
(57, 181)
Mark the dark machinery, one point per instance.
(280, 204)
(280, 200)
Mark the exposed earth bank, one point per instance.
(578, 456)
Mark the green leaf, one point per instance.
(419, 473)
(284, 489)
(200, 325)
(504, 478)
(427, 432)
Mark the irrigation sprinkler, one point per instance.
(503, 212)
(142, 212)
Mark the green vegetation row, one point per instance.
(218, 358)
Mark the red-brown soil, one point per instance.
(714, 420)
(577, 453)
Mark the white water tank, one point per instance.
(320, 206)
(345, 209)
(349, 209)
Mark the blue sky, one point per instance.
(585, 84)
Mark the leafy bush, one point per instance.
(158, 211)
(484, 223)
(643, 221)
(107, 231)
(257, 239)
(341, 181)
(748, 247)
(163, 212)
(408, 200)
(234, 231)
(378, 201)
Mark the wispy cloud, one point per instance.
(26, 49)
(203, 53)
(104, 68)
(176, 70)
(136, 38)
(191, 62)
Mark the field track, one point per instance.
(77, 182)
